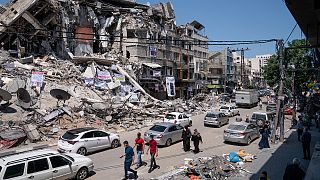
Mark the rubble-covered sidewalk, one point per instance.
(213, 167)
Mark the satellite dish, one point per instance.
(24, 98)
(4, 95)
(60, 94)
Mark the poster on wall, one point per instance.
(171, 88)
(153, 52)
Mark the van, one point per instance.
(260, 118)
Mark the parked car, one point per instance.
(241, 132)
(164, 133)
(44, 164)
(260, 118)
(229, 110)
(178, 118)
(215, 119)
(272, 106)
(85, 140)
(288, 110)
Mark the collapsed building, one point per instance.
(107, 64)
(111, 31)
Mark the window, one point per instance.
(180, 116)
(100, 134)
(172, 128)
(87, 135)
(14, 171)
(58, 161)
(37, 165)
(68, 135)
(185, 116)
(158, 128)
(179, 127)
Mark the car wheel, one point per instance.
(115, 143)
(82, 151)
(249, 140)
(82, 174)
(168, 142)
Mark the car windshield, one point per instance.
(211, 115)
(69, 135)
(224, 107)
(158, 128)
(237, 127)
(259, 116)
(170, 116)
(69, 157)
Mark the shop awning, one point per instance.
(214, 86)
(152, 65)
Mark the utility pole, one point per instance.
(242, 64)
(279, 120)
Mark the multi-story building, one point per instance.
(257, 65)
(221, 71)
(243, 78)
(168, 50)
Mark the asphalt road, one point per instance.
(108, 165)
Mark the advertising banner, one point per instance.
(37, 79)
(171, 88)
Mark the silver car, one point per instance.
(241, 132)
(164, 133)
(215, 119)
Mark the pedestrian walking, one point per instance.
(299, 129)
(139, 144)
(306, 140)
(260, 104)
(186, 135)
(196, 138)
(264, 142)
(294, 171)
(128, 161)
(238, 118)
(247, 119)
(153, 149)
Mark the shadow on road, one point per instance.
(291, 148)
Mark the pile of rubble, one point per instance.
(95, 95)
(214, 167)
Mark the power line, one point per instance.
(291, 33)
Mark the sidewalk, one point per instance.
(275, 159)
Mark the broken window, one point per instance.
(137, 33)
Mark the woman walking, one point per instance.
(264, 142)
(196, 138)
(186, 135)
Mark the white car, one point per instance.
(85, 140)
(44, 164)
(229, 110)
(178, 118)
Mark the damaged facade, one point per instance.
(107, 32)
(106, 64)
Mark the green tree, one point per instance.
(271, 71)
(299, 57)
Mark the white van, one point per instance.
(260, 118)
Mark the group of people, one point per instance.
(130, 155)
(187, 136)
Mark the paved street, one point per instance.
(108, 162)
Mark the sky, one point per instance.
(237, 20)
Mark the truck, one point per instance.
(247, 98)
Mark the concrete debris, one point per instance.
(79, 47)
(214, 167)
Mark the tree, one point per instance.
(299, 57)
(271, 71)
